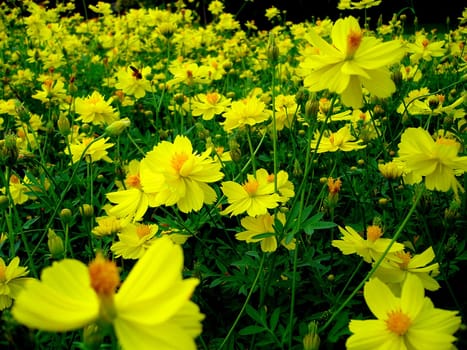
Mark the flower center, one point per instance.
(405, 257)
(334, 186)
(251, 186)
(104, 276)
(2, 273)
(353, 42)
(373, 232)
(398, 322)
(133, 181)
(143, 230)
(178, 160)
(212, 98)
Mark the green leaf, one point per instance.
(274, 318)
(249, 330)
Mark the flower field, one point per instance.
(172, 183)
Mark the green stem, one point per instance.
(252, 151)
(247, 300)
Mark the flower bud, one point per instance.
(118, 127)
(311, 340)
(86, 210)
(63, 125)
(66, 215)
(55, 244)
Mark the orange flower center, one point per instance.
(178, 160)
(373, 232)
(104, 276)
(14, 179)
(425, 43)
(143, 230)
(405, 257)
(270, 178)
(398, 322)
(251, 186)
(133, 181)
(334, 186)
(2, 273)
(353, 42)
(212, 98)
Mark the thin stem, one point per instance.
(247, 300)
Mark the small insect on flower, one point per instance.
(136, 73)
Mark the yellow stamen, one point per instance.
(398, 322)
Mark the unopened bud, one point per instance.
(311, 340)
(63, 125)
(66, 215)
(55, 244)
(86, 210)
(117, 127)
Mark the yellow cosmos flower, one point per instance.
(151, 310)
(341, 140)
(107, 225)
(436, 161)
(210, 104)
(130, 201)
(423, 49)
(257, 194)
(261, 229)
(177, 175)
(134, 240)
(407, 322)
(52, 92)
(93, 150)
(95, 109)
(18, 190)
(395, 270)
(350, 62)
(132, 81)
(12, 281)
(249, 111)
(369, 249)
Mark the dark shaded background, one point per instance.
(428, 12)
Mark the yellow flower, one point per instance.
(261, 229)
(95, 109)
(436, 161)
(18, 190)
(407, 322)
(134, 240)
(350, 62)
(369, 249)
(257, 194)
(132, 81)
(151, 310)
(188, 73)
(216, 7)
(341, 140)
(12, 281)
(178, 176)
(402, 264)
(210, 104)
(272, 12)
(96, 151)
(249, 111)
(52, 92)
(391, 171)
(357, 5)
(131, 202)
(107, 225)
(424, 49)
